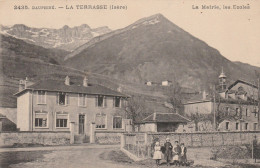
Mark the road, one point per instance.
(84, 156)
(69, 157)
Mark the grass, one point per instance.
(8, 158)
(116, 156)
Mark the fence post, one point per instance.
(191, 139)
(146, 144)
(72, 132)
(122, 141)
(212, 140)
(223, 143)
(92, 132)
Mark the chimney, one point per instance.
(204, 95)
(21, 85)
(85, 82)
(119, 89)
(67, 81)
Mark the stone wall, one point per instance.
(8, 139)
(105, 137)
(206, 138)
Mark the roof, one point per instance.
(59, 86)
(2, 116)
(165, 118)
(241, 81)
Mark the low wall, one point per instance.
(43, 138)
(108, 137)
(206, 138)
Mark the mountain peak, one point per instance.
(65, 27)
(20, 27)
(153, 19)
(84, 25)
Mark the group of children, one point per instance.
(175, 153)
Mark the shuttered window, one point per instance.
(62, 98)
(117, 122)
(62, 120)
(101, 101)
(100, 120)
(40, 119)
(117, 102)
(41, 97)
(82, 100)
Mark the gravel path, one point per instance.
(88, 157)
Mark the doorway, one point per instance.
(81, 124)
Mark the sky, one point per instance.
(234, 32)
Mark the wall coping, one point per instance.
(35, 132)
(115, 131)
(215, 132)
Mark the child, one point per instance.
(176, 151)
(168, 151)
(183, 158)
(157, 153)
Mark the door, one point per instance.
(81, 123)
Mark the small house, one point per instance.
(162, 122)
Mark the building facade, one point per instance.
(235, 106)
(52, 105)
(162, 122)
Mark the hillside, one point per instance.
(19, 59)
(66, 38)
(154, 49)
(12, 47)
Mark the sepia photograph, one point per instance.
(129, 83)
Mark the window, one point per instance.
(41, 119)
(82, 100)
(41, 97)
(101, 101)
(237, 111)
(227, 125)
(246, 112)
(117, 122)
(227, 111)
(255, 112)
(255, 126)
(237, 125)
(100, 121)
(62, 120)
(246, 126)
(63, 99)
(117, 102)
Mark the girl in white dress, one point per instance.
(157, 156)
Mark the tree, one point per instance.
(200, 118)
(175, 97)
(135, 109)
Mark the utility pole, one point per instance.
(214, 107)
(258, 80)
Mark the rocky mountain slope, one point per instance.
(154, 49)
(65, 38)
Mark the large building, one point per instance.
(51, 105)
(235, 106)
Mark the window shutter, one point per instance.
(105, 101)
(96, 101)
(57, 98)
(86, 96)
(67, 99)
(121, 102)
(114, 101)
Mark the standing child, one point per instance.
(157, 153)
(176, 153)
(183, 154)
(168, 151)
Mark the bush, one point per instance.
(231, 152)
